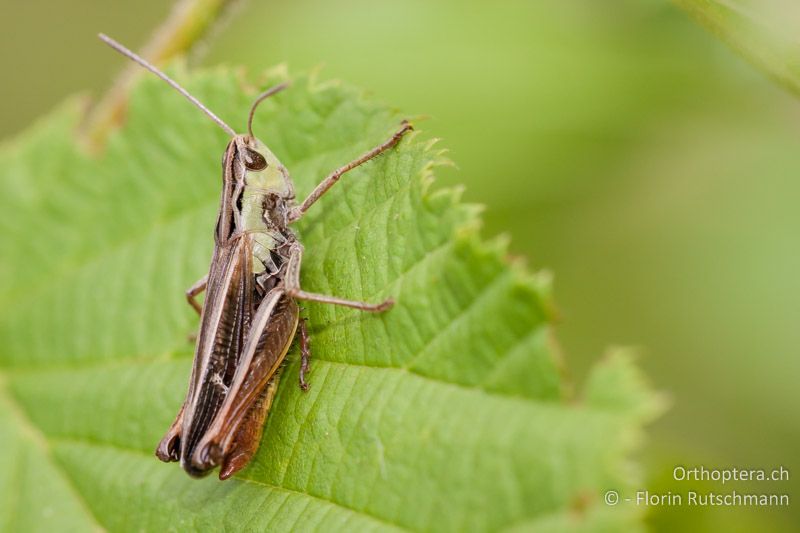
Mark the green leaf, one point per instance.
(448, 413)
(763, 31)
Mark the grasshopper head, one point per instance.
(261, 169)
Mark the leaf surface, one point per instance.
(448, 413)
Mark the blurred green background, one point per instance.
(618, 143)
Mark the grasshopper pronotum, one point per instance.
(249, 317)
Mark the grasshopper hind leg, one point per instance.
(248, 435)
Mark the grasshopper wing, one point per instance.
(227, 310)
(236, 429)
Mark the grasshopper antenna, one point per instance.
(260, 98)
(131, 55)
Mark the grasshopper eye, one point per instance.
(253, 160)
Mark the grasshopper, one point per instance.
(250, 314)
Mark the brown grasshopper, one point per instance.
(250, 315)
